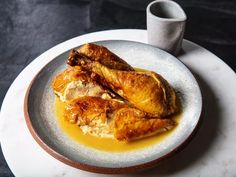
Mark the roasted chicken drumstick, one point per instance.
(147, 91)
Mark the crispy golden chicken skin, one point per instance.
(85, 109)
(100, 54)
(131, 124)
(148, 91)
(70, 74)
(94, 115)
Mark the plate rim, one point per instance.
(99, 169)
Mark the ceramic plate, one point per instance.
(42, 123)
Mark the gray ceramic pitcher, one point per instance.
(166, 25)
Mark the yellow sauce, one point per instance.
(105, 144)
(140, 69)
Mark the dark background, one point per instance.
(30, 27)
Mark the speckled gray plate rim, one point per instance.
(39, 110)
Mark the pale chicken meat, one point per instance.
(75, 82)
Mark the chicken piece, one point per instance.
(75, 82)
(131, 124)
(93, 114)
(148, 91)
(100, 54)
(113, 119)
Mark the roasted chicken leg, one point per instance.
(147, 91)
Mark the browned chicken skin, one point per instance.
(131, 124)
(94, 115)
(86, 109)
(70, 74)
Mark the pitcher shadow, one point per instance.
(187, 48)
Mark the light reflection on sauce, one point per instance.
(104, 144)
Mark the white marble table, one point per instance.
(210, 153)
